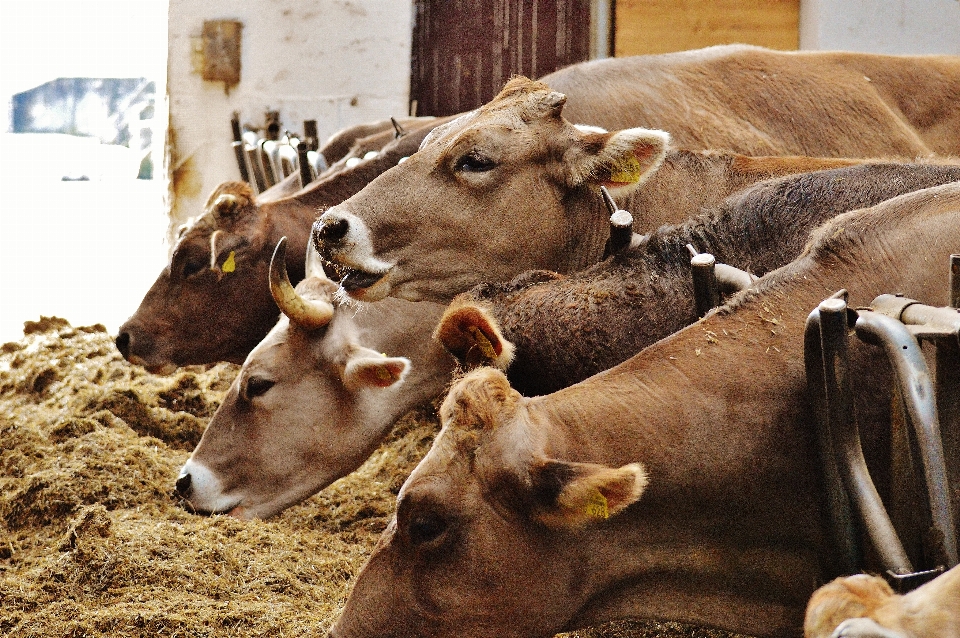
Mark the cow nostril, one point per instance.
(183, 485)
(123, 344)
(329, 230)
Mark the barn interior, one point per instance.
(103, 164)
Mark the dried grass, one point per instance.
(93, 542)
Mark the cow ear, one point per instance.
(620, 161)
(228, 198)
(574, 494)
(370, 369)
(472, 336)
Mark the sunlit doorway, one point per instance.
(83, 217)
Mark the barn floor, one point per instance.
(94, 543)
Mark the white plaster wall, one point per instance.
(340, 62)
(881, 26)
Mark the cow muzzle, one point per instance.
(346, 253)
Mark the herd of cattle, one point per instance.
(603, 453)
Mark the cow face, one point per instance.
(313, 400)
(491, 536)
(510, 187)
(202, 308)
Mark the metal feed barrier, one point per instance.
(266, 161)
(925, 433)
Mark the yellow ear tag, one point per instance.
(229, 265)
(597, 506)
(627, 172)
(482, 342)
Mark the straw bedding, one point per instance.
(93, 542)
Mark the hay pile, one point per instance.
(93, 542)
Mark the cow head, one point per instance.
(507, 188)
(202, 308)
(492, 536)
(312, 400)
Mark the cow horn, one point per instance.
(309, 314)
(226, 204)
(214, 251)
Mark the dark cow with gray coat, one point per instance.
(678, 485)
(558, 330)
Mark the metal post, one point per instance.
(705, 291)
(238, 147)
(846, 436)
(306, 176)
(955, 281)
(311, 134)
(621, 226)
(844, 530)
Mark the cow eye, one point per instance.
(192, 267)
(257, 386)
(475, 163)
(426, 528)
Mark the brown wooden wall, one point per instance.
(465, 50)
(661, 26)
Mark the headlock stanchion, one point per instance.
(894, 323)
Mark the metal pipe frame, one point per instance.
(919, 399)
(845, 435)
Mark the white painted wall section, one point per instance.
(881, 26)
(340, 62)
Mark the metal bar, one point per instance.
(398, 130)
(621, 226)
(705, 293)
(955, 281)
(238, 148)
(916, 388)
(306, 176)
(843, 528)
(845, 433)
(269, 158)
(311, 134)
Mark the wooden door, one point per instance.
(465, 50)
(662, 26)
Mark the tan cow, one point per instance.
(512, 186)
(313, 399)
(864, 606)
(679, 485)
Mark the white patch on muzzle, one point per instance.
(355, 250)
(206, 490)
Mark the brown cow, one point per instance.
(865, 606)
(198, 311)
(562, 330)
(678, 485)
(516, 170)
(313, 399)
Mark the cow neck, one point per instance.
(587, 231)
